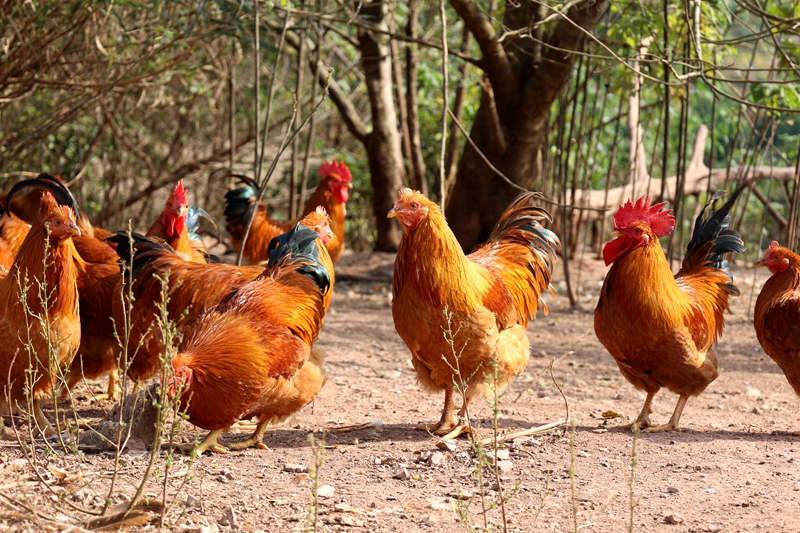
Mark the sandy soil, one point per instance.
(732, 468)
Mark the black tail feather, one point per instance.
(138, 250)
(47, 182)
(712, 238)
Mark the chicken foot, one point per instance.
(448, 421)
(255, 440)
(462, 424)
(643, 420)
(209, 444)
(673, 424)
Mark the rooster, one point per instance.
(332, 193)
(661, 328)
(484, 300)
(25, 344)
(173, 226)
(777, 309)
(193, 288)
(240, 358)
(99, 351)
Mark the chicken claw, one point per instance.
(209, 444)
(255, 440)
(642, 421)
(460, 429)
(673, 424)
(448, 423)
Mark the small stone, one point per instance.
(342, 507)
(753, 393)
(326, 491)
(425, 457)
(448, 445)
(600, 430)
(436, 459)
(542, 394)
(673, 519)
(354, 442)
(713, 528)
(228, 474)
(222, 479)
(583, 454)
(18, 464)
(757, 411)
(402, 475)
(229, 518)
(428, 520)
(350, 520)
(460, 494)
(206, 529)
(505, 466)
(672, 490)
(191, 501)
(295, 468)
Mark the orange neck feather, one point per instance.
(646, 287)
(431, 260)
(60, 276)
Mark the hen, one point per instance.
(484, 299)
(240, 358)
(777, 309)
(193, 288)
(14, 228)
(660, 328)
(332, 193)
(23, 337)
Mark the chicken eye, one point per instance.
(637, 231)
(414, 205)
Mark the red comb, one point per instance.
(773, 245)
(337, 169)
(661, 222)
(180, 194)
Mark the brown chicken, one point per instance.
(14, 226)
(661, 328)
(777, 311)
(193, 288)
(100, 351)
(22, 338)
(485, 298)
(242, 357)
(332, 193)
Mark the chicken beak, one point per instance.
(393, 214)
(761, 264)
(616, 234)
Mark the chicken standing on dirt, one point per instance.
(332, 194)
(777, 310)
(660, 328)
(241, 358)
(484, 299)
(192, 288)
(24, 343)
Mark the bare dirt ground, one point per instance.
(732, 468)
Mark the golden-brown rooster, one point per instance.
(193, 288)
(242, 357)
(484, 299)
(332, 193)
(777, 310)
(23, 337)
(661, 328)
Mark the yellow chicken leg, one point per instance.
(209, 444)
(255, 440)
(673, 424)
(448, 420)
(643, 420)
(462, 424)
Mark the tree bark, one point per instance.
(383, 142)
(523, 95)
(418, 180)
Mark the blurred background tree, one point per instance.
(587, 101)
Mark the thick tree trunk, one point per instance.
(510, 125)
(383, 142)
